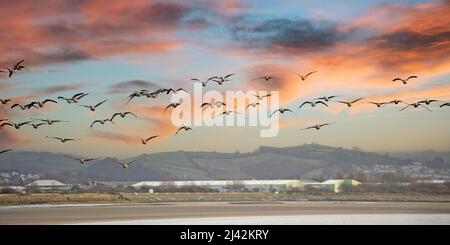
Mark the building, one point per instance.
(48, 185)
(338, 185)
(225, 185)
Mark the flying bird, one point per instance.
(102, 122)
(23, 107)
(303, 77)
(350, 103)
(40, 103)
(221, 79)
(10, 71)
(227, 113)
(133, 95)
(5, 101)
(144, 141)
(281, 110)
(265, 78)
(83, 160)
(445, 104)
(4, 151)
(415, 105)
(37, 125)
(261, 97)
(93, 108)
(167, 91)
(15, 125)
(16, 67)
(125, 165)
(427, 101)
(19, 67)
(174, 105)
(185, 128)
(404, 81)
(396, 102)
(326, 98)
(378, 104)
(74, 99)
(63, 140)
(252, 105)
(48, 121)
(317, 126)
(204, 83)
(313, 103)
(122, 114)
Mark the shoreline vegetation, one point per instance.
(87, 198)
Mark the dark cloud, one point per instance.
(127, 86)
(286, 34)
(59, 88)
(404, 40)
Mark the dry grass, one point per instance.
(17, 199)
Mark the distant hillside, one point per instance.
(305, 161)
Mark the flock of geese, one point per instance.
(220, 80)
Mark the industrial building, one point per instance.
(48, 185)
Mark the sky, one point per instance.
(111, 48)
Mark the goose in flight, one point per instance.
(265, 78)
(185, 128)
(23, 107)
(252, 105)
(167, 91)
(125, 165)
(326, 98)
(37, 125)
(10, 71)
(220, 80)
(83, 160)
(16, 67)
(4, 151)
(207, 105)
(281, 110)
(445, 104)
(19, 67)
(144, 141)
(378, 104)
(15, 125)
(40, 103)
(133, 95)
(313, 103)
(350, 103)
(74, 99)
(261, 97)
(204, 83)
(102, 122)
(427, 102)
(404, 81)
(5, 101)
(226, 113)
(48, 121)
(93, 108)
(303, 77)
(63, 140)
(174, 105)
(396, 102)
(122, 114)
(415, 105)
(317, 126)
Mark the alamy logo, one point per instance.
(228, 109)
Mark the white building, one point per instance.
(48, 185)
(225, 185)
